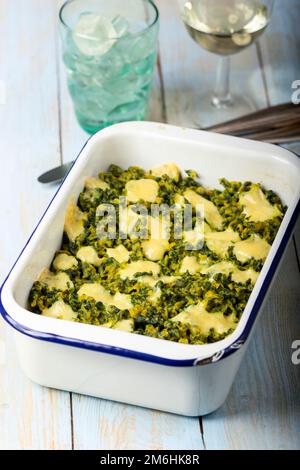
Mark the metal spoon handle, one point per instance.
(56, 174)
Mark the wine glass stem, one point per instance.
(221, 97)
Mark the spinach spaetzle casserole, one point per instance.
(125, 263)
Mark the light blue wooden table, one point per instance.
(38, 131)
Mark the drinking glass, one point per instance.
(109, 50)
(225, 27)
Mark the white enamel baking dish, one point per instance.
(186, 379)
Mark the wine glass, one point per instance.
(225, 27)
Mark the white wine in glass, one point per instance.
(226, 27)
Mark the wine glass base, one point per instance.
(211, 111)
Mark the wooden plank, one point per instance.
(281, 64)
(262, 411)
(31, 417)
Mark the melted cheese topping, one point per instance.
(60, 310)
(159, 227)
(95, 183)
(169, 169)
(119, 253)
(152, 281)
(121, 301)
(59, 281)
(155, 296)
(122, 325)
(243, 276)
(149, 281)
(155, 248)
(194, 237)
(225, 267)
(219, 242)
(62, 262)
(211, 213)
(88, 254)
(100, 294)
(203, 321)
(189, 264)
(255, 247)
(168, 279)
(74, 221)
(139, 267)
(142, 190)
(256, 205)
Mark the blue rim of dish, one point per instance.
(128, 353)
